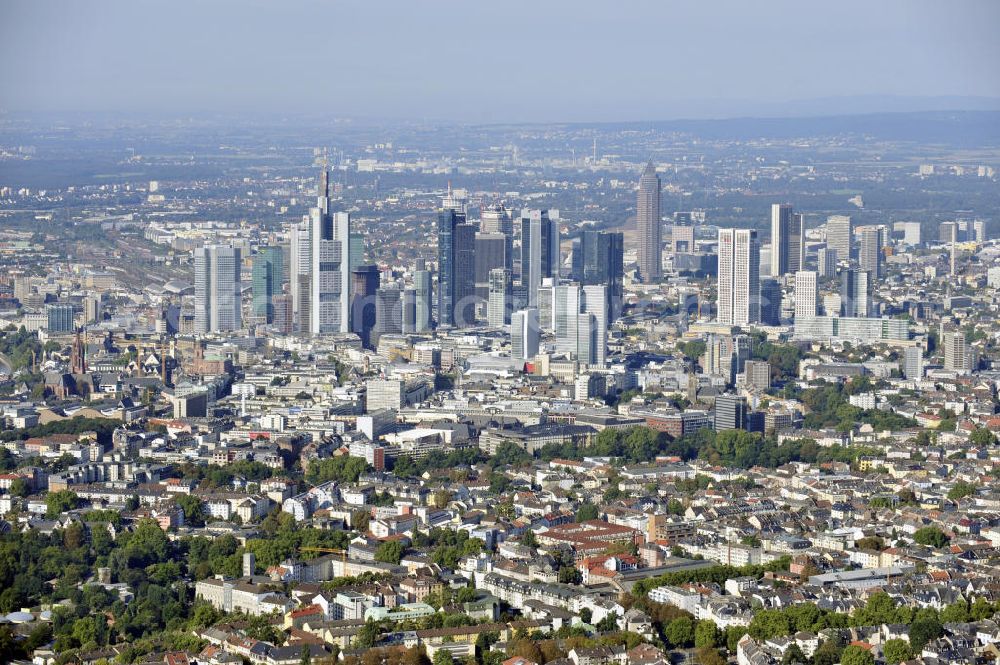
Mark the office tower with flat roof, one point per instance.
(217, 289)
(730, 412)
(913, 363)
(826, 262)
(546, 305)
(647, 212)
(497, 219)
(424, 299)
(739, 292)
(299, 271)
(524, 334)
(806, 295)
(282, 304)
(364, 286)
(539, 251)
(566, 316)
(598, 258)
(388, 312)
(770, 302)
(492, 252)
(787, 240)
(266, 275)
(456, 269)
(856, 293)
(409, 306)
(839, 235)
(587, 342)
(595, 302)
(956, 356)
(870, 257)
(59, 318)
(757, 373)
(500, 300)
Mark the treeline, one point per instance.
(104, 427)
(712, 574)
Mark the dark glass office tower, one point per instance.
(267, 275)
(598, 259)
(456, 269)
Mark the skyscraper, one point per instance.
(422, 298)
(524, 335)
(217, 289)
(955, 353)
(839, 233)
(770, 302)
(806, 295)
(787, 238)
(598, 259)
(566, 311)
(595, 302)
(826, 262)
(739, 296)
(647, 212)
(59, 318)
(913, 363)
(492, 251)
(364, 286)
(730, 412)
(330, 281)
(500, 298)
(856, 293)
(300, 267)
(388, 312)
(266, 275)
(539, 251)
(870, 256)
(456, 269)
(496, 219)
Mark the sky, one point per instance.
(499, 60)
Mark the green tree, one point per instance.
(389, 552)
(586, 511)
(57, 503)
(19, 487)
(706, 634)
(982, 438)
(896, 651)
(193, 509)
(931, 537)
(957, 612)
(924, 630)
(443, 657)
(680, 632)
(960, 490)
(855, 655)
(793, 654)
(569, 575)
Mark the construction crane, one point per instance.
(326, 550)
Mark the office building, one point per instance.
(283, 318)
(839, 233)
(501, 298)
(870, 257)
(59, 318)
(647, 213)
(853, 329)
(546, 305)
(826, 262)
(388, 312)
(598, 260)
(409, 308)
(299, 270)
(266, 275)
(566, 312)
(456, 270)
(497, 219)
(956, 356)
(730, 412)
(217, 289)
(910, 232)
(806, 295)
(787, 238)
(539, 251)
(913, 363)
(739, 294)
(856, 293)
(364, 286)
(595, 303)
(330, 279)
(423, 303)
(757, 373)
(524, 334)
(492, 252)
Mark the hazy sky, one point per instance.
(495, 61)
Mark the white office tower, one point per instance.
(856, 293)
(595, 302)
(300, 267)
(910, 231)
(496, 219)
(501, 296)
(913, 363)
(566, 316)
(839, 231)
(739, 277)
(217, 289)
(331, 273)
(546, 305)
(955, 353)
(423, 295)
(826, 262)
(524, 334)
(806, 295)
(787, 240)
